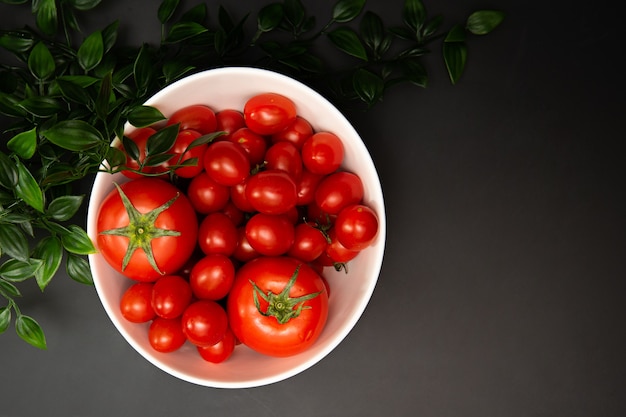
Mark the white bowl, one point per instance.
(230, 88)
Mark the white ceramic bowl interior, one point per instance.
(230, 88)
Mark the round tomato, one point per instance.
(269, 113)
(217, 234)
(322, 153)
(212, 276)
(270, 234)
(277, 306)
(206, 195)
(166, 335)
(337, 191)
(171, 294)
(255, 145)
(337, 253)
(226, 163)
(220, 351)
(136, 305)
(271, 192)
(197, 117)
(308, 244)
(146, 228)
(296, 133)
(356, 227)
(204, 322)
(284, 156)
(193, 157)
(229, 120)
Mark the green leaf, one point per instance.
(415, 72)
(162, 141)
(8, 172)
(91, 51)
(142, 116)
(73, 91)
(184, 30)
(84, 5)
(131, 148)
(14, 270)
(175, 69)
(373, 33)
(368, 86)
(18, 42)
(414, 14)
(77, 241)
(74, 135)
(115, 157)
(295, 12)
(454, 54)
(40, 106)
(65, 207)
(143, 70)
(104, 96)
(46, 16)
(347, 10)
(196, 14)
(30, 331)
(5, 318)
(9, 105)
(270, 16)
(40, 62)
(109, 35)
(348, 41)
(78, 269)
(8, 290)
(484, 21)
(27, 188)
(166, 10)
(50, 251)
(24, 144)
(456, 34)
(13, 242)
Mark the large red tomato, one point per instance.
(277, 306)
(146, 228)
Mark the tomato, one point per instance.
(255, 145)
(171, 294)
(150, 233)
(284, 156)
(204, 322)
(336, 252)
(356, 227)
(206, 195)
(226, 163)
(220, 351)
(296, 133)
(337, 191)
(135, 304)
(234, 213)
(271, 192)
(244, 252)
(269, 113)
(322, 153)
(217, 234)
(196, 117)
(140, 138)
(316, 215)
(239, 199)
(308, 244)
(166, 335)
(306, 186)
(181, 154)
(212, 276)
(229, 120)
(269, 234)
(292, 306)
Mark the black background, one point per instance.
(502, 288)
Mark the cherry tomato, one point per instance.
(269, 113)
(271, 192)
(337, 191)
(306, 186)
(269, 234)
(322, 153)
(229, 120)
(196, 117)
(296, 133)
(166, 335)
(239, 199)
(204, 322)
(254, 144)
(226, 163)
(220, 351)
(168, 233)
(140, 138)
(309, 243)
(234, 213)
(181, 154)
(284, 156)
(212, 276)
(299, 306)
(336, 252)
(217, 234)
(244, 252)
(135, 304)
(356, 227)
(206, 195)
(171, 294)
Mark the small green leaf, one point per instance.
(455, 34)
(40, 106)
(368, 86)
(373, 33)
(347, 10)
(270, 16)
(8, 290)
(162, 141)
(104, 97)
(143, 70)
(77, 241)
(30, 331)
(50, 251)
(295, 12)
(9, 105)
(78, 269)
(74, 135)
(484, 21)
(454, 55)
(348, 41)
(14, 270)
(8, 172)
(27, 188)
(196, 14)
(40, 61)
(24, 144)
(91, 51)
(142, 116)
(46, 16)
(415, 72)
(18, 42)
(73, 91)
(131, 148)
(166, 10)
(13, 242)
(84, 5)
(5, 318)
(184, 30)
(109, 35)
(65, 207)
(115, 157)
(414, 14)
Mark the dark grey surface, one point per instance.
(502, 288)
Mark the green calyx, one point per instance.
(141, 229)
(281, 306)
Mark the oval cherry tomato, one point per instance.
(244, 252)
(309, 243)
(297, 133)
(212, 276)
(322, 153)
(217, 234)
(284, 156)
(182, 154)
(204, 322)
(226, 163)
(356, 227)
(166, 335)
(171, 294)
(269, 113)
(196, 117)
(254, 144)
(229, 120)
(220, 351)
(136, 305)
(337, 191)
(336, 252)
(239, 199)
(269, 234)
(306, 186)
(271, 192)
(206, 195)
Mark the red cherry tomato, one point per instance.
(306, 186)
(336, 252)
(356, 227)
(226, 163)
(171, 294)
(212, 276)
(196, 117)
(322, 153)
(181, 154)
(140, 138)
(271, 192)
(204, 322)
(270, 235)
(217, 234)
(284, 156)
(136, 305)
(309, 243)
(220, 351)
(254, 144)
(229, 120)
(166, 335)
(337, 191)
(297, 133)
(269, 113)
(244, 252)
(239, 199)
(206, 195)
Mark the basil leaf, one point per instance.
(373, 33)
(484, 21)
(5, 318)
(50, 251)
(17, 42)
(40, 106)
(13, 242)
(109, 36)
(104, 97)
(40, 61)
(77, 241)
(78, 269)
(166, 10)
(368, 86)
(24, 144)
(348, 41)
(142, 116)
(455, 53)
(15, 270)
(65, 207)
(91, 51)
(73, 91)
(143, 70)
(27, 188)
(162, 141)
(8, 290)
(74, 135)
(9, 105)
(347, 10)
(46, 16)
(30, 331)
(270, 16)
(8, 172)
(184, 30)
(414, 14)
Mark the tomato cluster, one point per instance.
(231, 247)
